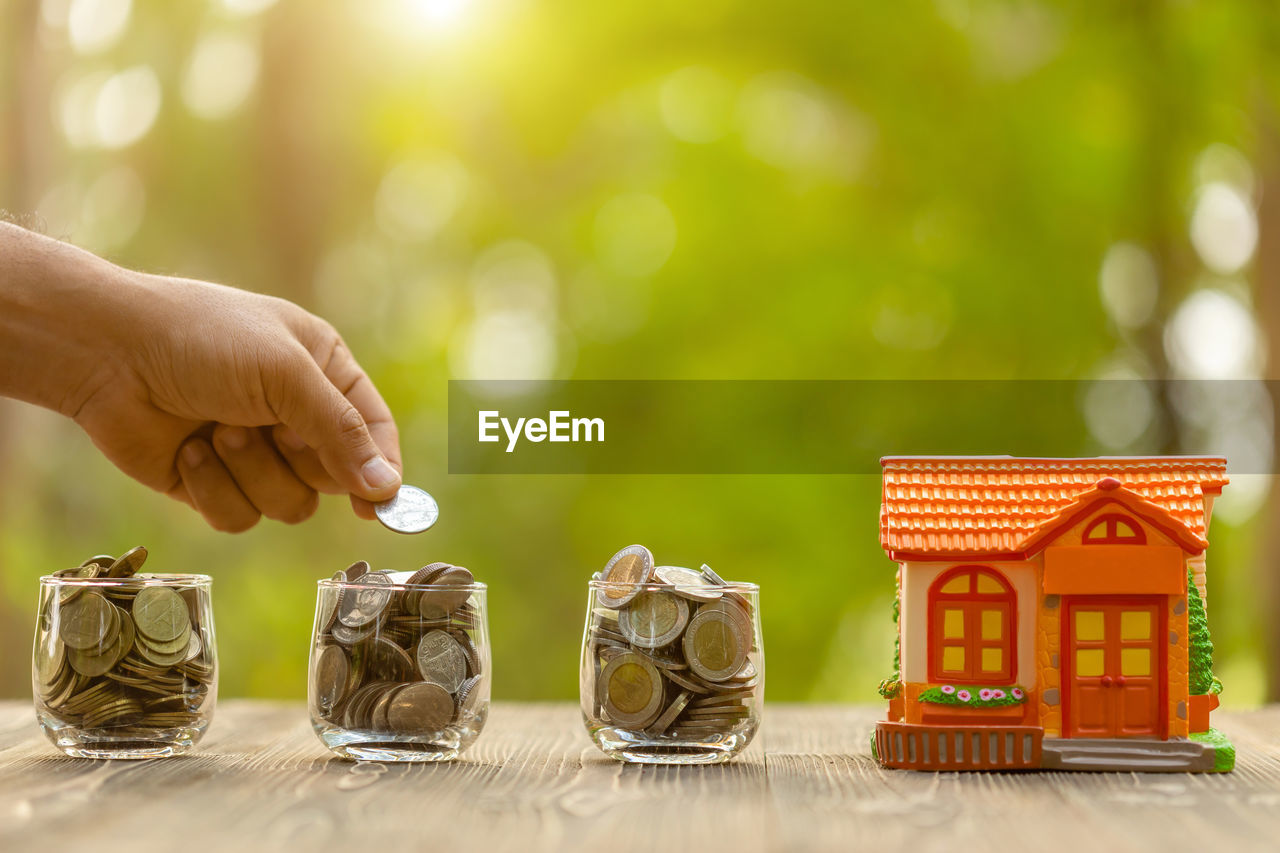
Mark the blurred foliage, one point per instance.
(723, 189)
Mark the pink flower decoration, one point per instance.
(997, 693)
(948, 689)
(1017, 693)
(964, 695)
(984, 694)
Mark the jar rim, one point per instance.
(330, 583)
(651, 586)
(140, 579)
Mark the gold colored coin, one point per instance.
(624, 576)
(160, 614)
(86, 621)
(632, 690)
(715, 644)
(653, 619)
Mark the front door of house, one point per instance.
(1114, 666)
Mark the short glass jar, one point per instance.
(675, 675)
(124, 667)
(399, 671)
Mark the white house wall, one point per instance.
(914, 616)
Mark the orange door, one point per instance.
(1114, 671)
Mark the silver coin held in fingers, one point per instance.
(412, 510)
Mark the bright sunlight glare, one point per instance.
(439, 14)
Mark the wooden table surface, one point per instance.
(261, 781)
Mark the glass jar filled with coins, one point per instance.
(125, 663)
(399, 665)
(672, 662)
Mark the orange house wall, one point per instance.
(1049, 640)
(1047, 690)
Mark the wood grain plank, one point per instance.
(534, 782)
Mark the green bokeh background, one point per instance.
(669, 190)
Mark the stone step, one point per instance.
(1122, 754)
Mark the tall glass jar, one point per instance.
(399, 671)
(675, 675)
(124, 667)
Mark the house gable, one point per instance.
(1150, 523)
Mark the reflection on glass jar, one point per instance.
(672, 673)
(399, 665)
(124, 667)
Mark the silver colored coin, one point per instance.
(669, 716)
(688, 583)
(365, 603)
(442, 660)
(412, 510)
(710, 575)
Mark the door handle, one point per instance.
(1120, 681)
(1106, 681)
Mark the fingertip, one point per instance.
(381, 479)
(363, 508)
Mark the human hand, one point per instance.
(239, 404)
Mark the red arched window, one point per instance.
(1114, 529)
(971, 624)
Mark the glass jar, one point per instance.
(399, 671)
(675, 675)
(124, 667)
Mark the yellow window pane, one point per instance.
(988, 584)
(1135, 625)
(1124, 531)
(1089, 662)
(1135, 661)
(992, 660)
(1089, 626)
(953, 624)
(953, 659)
(957, 585)
(1098, 532)
(992, 625)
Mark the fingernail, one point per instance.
(378, 473)
(192, 454)
(291, 439)
(234, 438)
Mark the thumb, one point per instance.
(312, 406)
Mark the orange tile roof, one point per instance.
(953, 505)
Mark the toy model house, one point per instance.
(1051, 614)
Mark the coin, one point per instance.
(389, 659)
(673, 710)
(437, 603)
(333, 673)
(442, 660)
(88, 571)
(128, 564)
(624, 576)
(420, 707)
(365, 603)
(86, 621)
(632, 690)
(653, 619)
(710, 575)
(412, 510)
(688, 583)
(470, 697)
(715, 645)
(160, 614)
